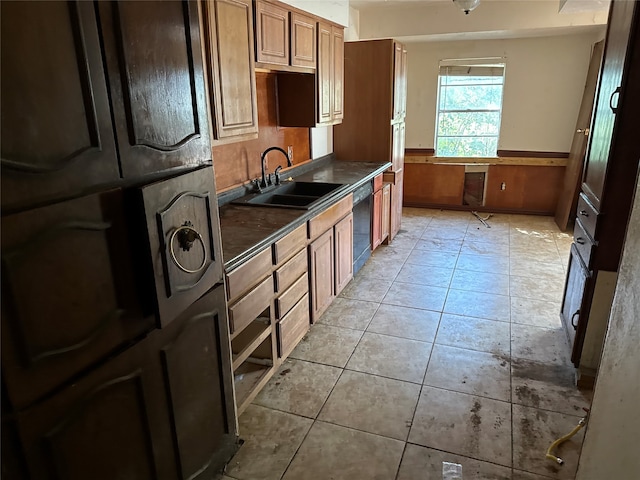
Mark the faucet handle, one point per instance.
(277, 174)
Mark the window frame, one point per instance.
(474, 62)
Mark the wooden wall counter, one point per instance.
(517, 182)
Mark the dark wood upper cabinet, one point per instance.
(231, 69)
(57, 137)
(154, 61)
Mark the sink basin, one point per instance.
(297, 195)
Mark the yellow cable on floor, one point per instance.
(581, 423)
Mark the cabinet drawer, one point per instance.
(327, 219)
(185, 251)
(288, 299)
(291, 243)
(291, 270)
(249, 307)
(67, 292)
(587, 215)
(293, 327)
(248, 274)
(583, 243)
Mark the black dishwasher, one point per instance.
(362, 204)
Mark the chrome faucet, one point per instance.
(263, 158)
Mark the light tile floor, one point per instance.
(446, 347)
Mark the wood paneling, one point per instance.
(238, 163)
(426, 184)
(529, 189)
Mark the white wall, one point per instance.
(334, 10)
(611, 448)
(544, 82)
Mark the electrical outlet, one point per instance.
(290, 152)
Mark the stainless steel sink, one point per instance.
(297, 195)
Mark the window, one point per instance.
(469, 108)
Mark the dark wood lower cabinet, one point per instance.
(573, 308)
(156, 411)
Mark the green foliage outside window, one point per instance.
(469, 112)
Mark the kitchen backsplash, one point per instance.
(237, 163)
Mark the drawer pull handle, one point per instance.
(614, 109)
(577, 314)
(186, 235)
(584, 213)
(580, 241)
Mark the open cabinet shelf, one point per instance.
(243, 345)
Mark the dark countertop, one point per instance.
(248, 230)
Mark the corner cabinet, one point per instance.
(609, 181)
(231, 69)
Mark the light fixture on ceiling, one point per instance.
(466, 5)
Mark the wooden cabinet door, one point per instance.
(397, 81)
(396, 205)
(195, 359)
(403, 96)
(113, 423)
(231, 67)
(376, 221)
(303, 41)
(68, 293)
(154, 62)
(397, 145)
(148, 413)
(574, 312)
(57, 137)
(272, 33)
(386, 210)
(321, 274)
(344, 252)
(325, 74)
(608, 96)
(337, 52)
(180, 221)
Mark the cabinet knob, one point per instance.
(577, 314)
(580, 241)
(583, 130)
(584, 213)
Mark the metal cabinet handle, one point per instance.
(584, 213)
(615, 92)
(580, 241)
(575, 327)
(186, 235)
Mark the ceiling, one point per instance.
(440, 20)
